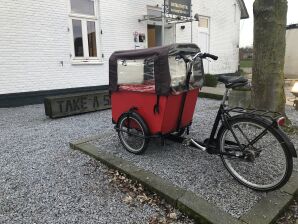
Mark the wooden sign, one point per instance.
(72, 104)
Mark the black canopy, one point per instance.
(160, 56)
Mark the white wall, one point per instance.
(224, 33)
(34, 39)
(291, 65)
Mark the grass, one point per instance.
(245, 63)
(210, 80)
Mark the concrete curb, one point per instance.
(269, 208)
(265, 211)
(73, 144)
(215, 93)
(210, 96)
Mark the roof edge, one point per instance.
(292, 26)
(243, 9)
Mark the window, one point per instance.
(91, 39)
(154, 12)
(85, 31)
(85, 7)
(203, 22)
(77, 38)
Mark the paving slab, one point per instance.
(291, 187)
(218, 92)
(201, 174)
(202, 211)
(268, 209)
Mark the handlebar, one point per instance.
(186, 60)
(207, 55)
(190, 61)
(200, 54)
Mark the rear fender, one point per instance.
(285, 139)
(288, 143)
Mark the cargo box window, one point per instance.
(140, 71)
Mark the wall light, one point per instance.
(197, 17)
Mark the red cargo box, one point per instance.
(166, 120)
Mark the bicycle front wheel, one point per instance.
(133, 133)
(254, 153)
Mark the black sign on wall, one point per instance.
(179, 7)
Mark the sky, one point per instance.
(246, 25)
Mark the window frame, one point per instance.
(86, 59)
(208, 22)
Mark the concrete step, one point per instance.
(218, 92)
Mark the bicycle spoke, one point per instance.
(242, 133)
(132, 135)
(260, 148)
(263, 163)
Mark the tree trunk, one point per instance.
(270, 17)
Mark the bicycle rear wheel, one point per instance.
(263, 165)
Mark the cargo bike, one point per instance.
(154, 93)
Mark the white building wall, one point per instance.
(224, 33)
(224, 36)
(35, 41)
(291, 65)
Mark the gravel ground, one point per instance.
(43, 181)
(292, 114)
(192, 169)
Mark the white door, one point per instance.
(204, 26)
(169, 34)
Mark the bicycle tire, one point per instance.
(140, 124)
(275, 132)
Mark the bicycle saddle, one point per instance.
(232, 82)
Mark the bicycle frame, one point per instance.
(211, 144)
(223, 115)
